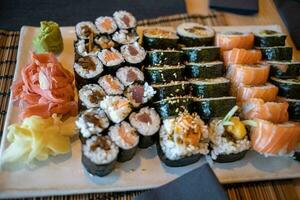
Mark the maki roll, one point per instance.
(289, 88)
(206, 88)
(293, 108)
(91, 122)
(202, 54)
(126, 138)
(124, 19)
(85, 30)
(99, 155)
(157, 38)
(269, 38)
(117, 108)
(286, 70)
(228, 138)
(85, 48)
(87, 70)
(204, 69)
(129, 75)
(278, 53)
(133, 53)
(111, 85)
(106, 25)
(147, 123)
(172, 89)
(193, 34)
(111, 59)
(182, 140)
(297, 152)
(164, 57)
(104, 42)
(139, 94)
(90, 96)
(164, 74)
(125, 36)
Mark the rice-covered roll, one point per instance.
(85, 48)
(125, 36)
(138, 93)
(85, 30)
(117, 108)
(106, 25)
(126, 138)
(99, 155)
(124, 19)
(111, 85)
(182, 140)
(228, 137)
(91, 95)
(193, 34)
(157, 38)
(87, 70)
(91, 122)
(129, 75)
(111, 59)
(147, 123)
(104, 42)
(133, 53)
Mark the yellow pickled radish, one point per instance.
(237, 129)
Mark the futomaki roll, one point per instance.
(85, 30)
(104, 42)
(157, 38)
(134, 54)
(125, 36)
(172, 89)
(85, 48)
(91, 122)
(111, 59)
(111, 85)
(90, 96)
(117, 108)
(126, 138)
(139, 94)
(106, 25)
(147, 123)
(129, 75)
(99, 155)
(124, 19)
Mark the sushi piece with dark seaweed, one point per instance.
(278, 53)
(289, 88)
(201, 54)
(172, 89)
(293, 109)
(269, 38)
(164, 57)
(158, 38)
(285, 70)
(204, 69)
(164, 74)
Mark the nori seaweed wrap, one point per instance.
(172, 89)
(269, 38)
(276, 53)
(204, 69)
(157, 38)
(201, 54)
(164, 74)
(289, 88)
(164, 57)
(284, 69)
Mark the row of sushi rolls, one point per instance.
(191, 92)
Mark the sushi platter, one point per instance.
(100, 158)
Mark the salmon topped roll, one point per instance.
(276, 112)
(241, 56)
(275, 139)
(229, 40)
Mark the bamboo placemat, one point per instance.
(283, 189)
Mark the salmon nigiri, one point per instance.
(274, 139)
(230, 40)
(241, 56)
(276, 112)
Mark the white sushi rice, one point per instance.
(99, 155)
(79, 29)
(87, 91)
(133, 58)
(146, 129)
(80, 47)
(86, 73)
(107, 87)
(117, 108)
(149, 92)
(183, 30)
(121, 16)
(119, 140)
(102, 55)
(87, 128)
(222, 145)
(125, 37)
(104, 41)
(169, 138)
(122, 75)
(102, 29)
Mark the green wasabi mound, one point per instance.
(49, 38)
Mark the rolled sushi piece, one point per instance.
(289, 88)
(278, 53)
(133, 53)
(106, 25)
(228, 138)
(147, 123)
(297, 152)
(129, 75)
(229, 40)
(111, 85)
(172, 89)
(157, 38)
(117, 108)
(206, 88)
(208, 108)
(104, 42)
(193, 34)
(269, 38)
(87, 70)
(285, 70)
(91, 122)
(111, 58)
(90, 96)
(85, 30)
(164, 57)
(293, 108)
(204, 69)
(242, 56)
(126, 138)
(85, 48)
(202, 54)
(182, 140)
(139, 93)
(164, 74)
(172, 106)
(124, 19)
(99, 155)
(125, 36)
